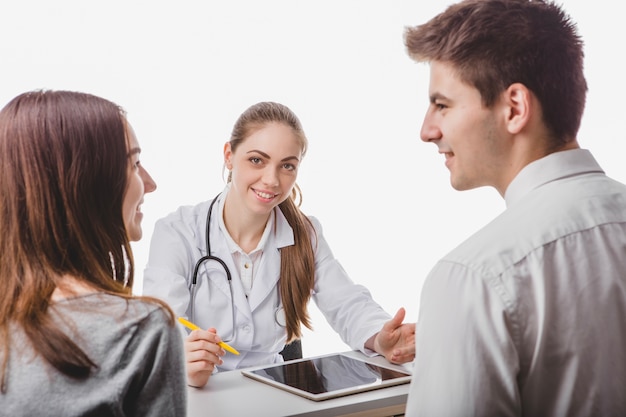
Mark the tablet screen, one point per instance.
(328, 376)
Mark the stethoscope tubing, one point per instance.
(279, 315)
(209, 257)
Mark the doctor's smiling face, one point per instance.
(264, 167)
(266, 146)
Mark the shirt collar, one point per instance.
(555, 166)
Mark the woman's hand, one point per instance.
(395, 341)
(202, 354)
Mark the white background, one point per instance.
(185, 70)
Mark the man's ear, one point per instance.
(518, 103)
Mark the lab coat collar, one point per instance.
(267, 278)
(269, 267)
(284, 232)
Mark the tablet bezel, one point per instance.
(249, 372)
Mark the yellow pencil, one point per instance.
(192, 326)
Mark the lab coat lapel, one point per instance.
(268, 272)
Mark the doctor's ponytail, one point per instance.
(297, 268)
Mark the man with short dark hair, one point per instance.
(528, 316)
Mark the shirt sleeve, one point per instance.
(159, 387)
(466, 362)
(348, 307)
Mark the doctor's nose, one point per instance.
(270, 178)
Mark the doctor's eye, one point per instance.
(255, 160)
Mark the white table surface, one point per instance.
(234, 395)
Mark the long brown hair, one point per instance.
(297, 269)
(63, 177)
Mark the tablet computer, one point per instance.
(328, 376)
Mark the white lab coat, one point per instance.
(178, 241)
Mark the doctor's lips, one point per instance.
(192, 326)
(264, 194)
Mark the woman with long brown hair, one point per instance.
(73, 340)
(245, 264)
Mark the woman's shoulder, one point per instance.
(317, 227)
(185, 219)
(115, 310)
(145, 309)
(187, 212)
(315, 222)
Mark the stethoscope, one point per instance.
(279, 315)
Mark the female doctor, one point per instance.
(250, 281)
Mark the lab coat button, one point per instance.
(246, 328)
